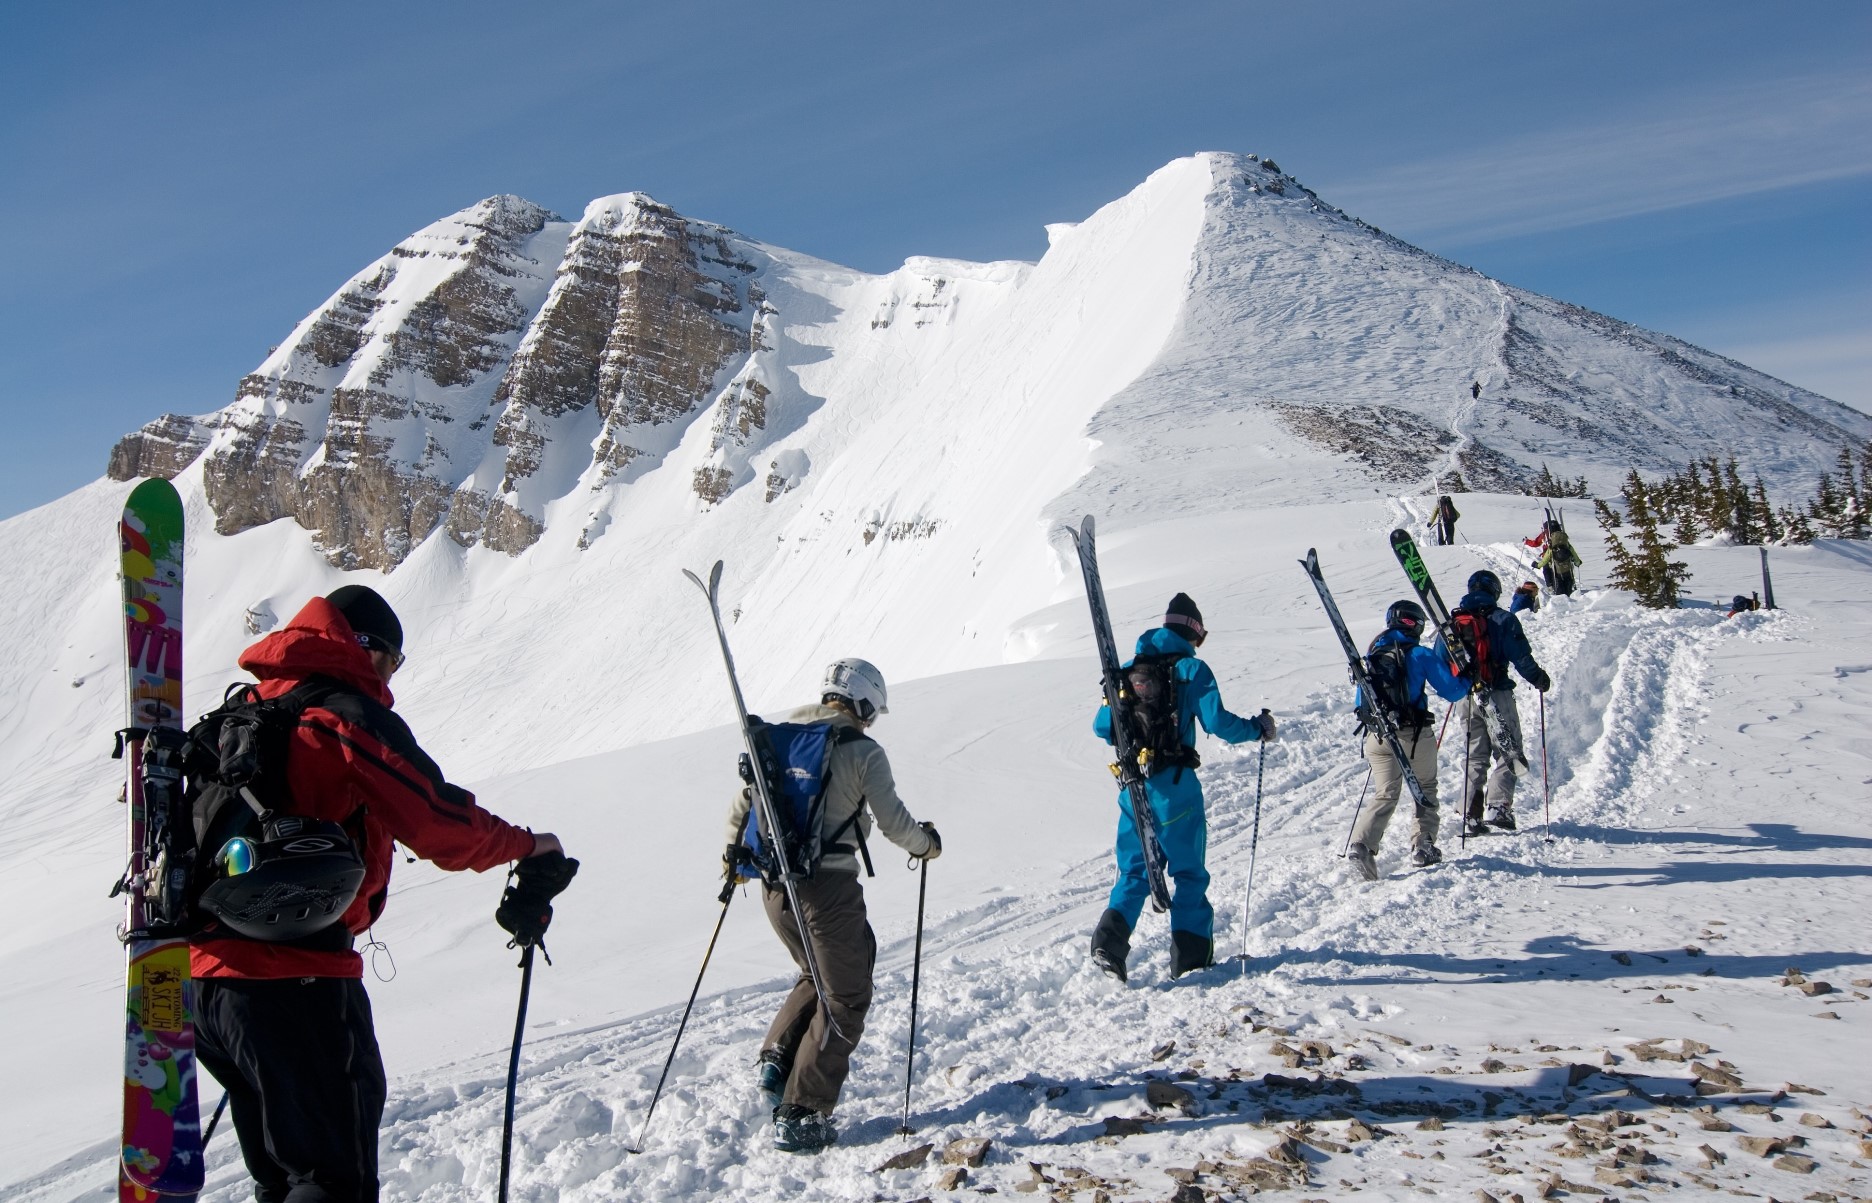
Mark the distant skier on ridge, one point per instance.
(1175, 690)
(1443, 519)
(1400, 666)
(1480, 621)
(802, 1066)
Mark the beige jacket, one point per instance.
(860, 779)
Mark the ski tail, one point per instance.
(1126, 769)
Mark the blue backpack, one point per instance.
(796, 763)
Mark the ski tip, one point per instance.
(714, 577)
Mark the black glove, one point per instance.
(935, 848)
(1265, 721)
(732, 858)
(525, 909)
(1541, 680)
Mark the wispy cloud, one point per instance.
(1758, 137)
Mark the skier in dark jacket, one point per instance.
(1176, 802)
(286, 1027)
(1402, 667)
(1444, 520)
(1507, 644)
(1526, 597)
(803, 1064)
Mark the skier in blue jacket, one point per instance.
(1401, 668)
(1507, 644)
(1176, 802)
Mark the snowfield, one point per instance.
(1530, 1017)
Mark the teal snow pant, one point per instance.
(1176, 801)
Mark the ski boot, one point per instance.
(771, 1073)
(798, 1129)
(1363, 862)
(1189, 952)
(1473, 827)
(1502, 819)
(1111, 944)
(1426, 854)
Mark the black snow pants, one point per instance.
(298, 1057)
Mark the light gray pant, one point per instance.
(1388, 785)
(1490, 776)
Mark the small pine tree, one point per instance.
(1648, 572)
(1741, 510)
(1637, 497)
(1771, 529)
(1800, 531)
(1827, 510)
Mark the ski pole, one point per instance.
(727, 896)
(1254, 842)
(1546, 795)
(1444, 730)
(214, 1120)
(916, 984)
(1463, 839)
(513, 1067)
(1356, 811)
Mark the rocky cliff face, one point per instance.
(425, 394)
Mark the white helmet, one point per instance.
(858, 682)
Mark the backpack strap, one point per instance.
(842, 734)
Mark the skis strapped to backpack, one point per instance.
(1405, 548)
(796, 761)
(765, 802)
(161, 1148)
(1129, 769)
(1380, 719)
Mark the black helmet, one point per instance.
(1484, 581)
(1406, 616)
(293, 881)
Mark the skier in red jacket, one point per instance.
(286, 1026)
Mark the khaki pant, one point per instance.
(1388, 785)
(1490, 775)
(846, 950)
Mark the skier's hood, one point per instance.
(1390, 636)
(1162, 641)
(317, 642)
(821, 713)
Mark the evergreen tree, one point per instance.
(1771, 530)
(1648, 572)
(1827, 510)
(1741, 515)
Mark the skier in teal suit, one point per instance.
(1176, 801)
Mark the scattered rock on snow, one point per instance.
(1812, 988)
(1796, 1163)
(1622, 958)
(909, 1159)
(953, 1178)
(1164, 1094)
(1128, 1125)
(1162, 1052)
(968, 1151)
(1761, 1146)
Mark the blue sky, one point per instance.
(183, 182)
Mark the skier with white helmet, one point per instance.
(802, 1066)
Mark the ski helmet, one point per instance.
(1406, 616)
(1484, 581)
(859, 683)
(295, 880)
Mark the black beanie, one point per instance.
(1183, 612)
(368, 613)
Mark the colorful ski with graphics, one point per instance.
(1127, 769)
(1411, 559)
(161, 1124)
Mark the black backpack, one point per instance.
(261, 871)
(1155, 713)
(1390, 677)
